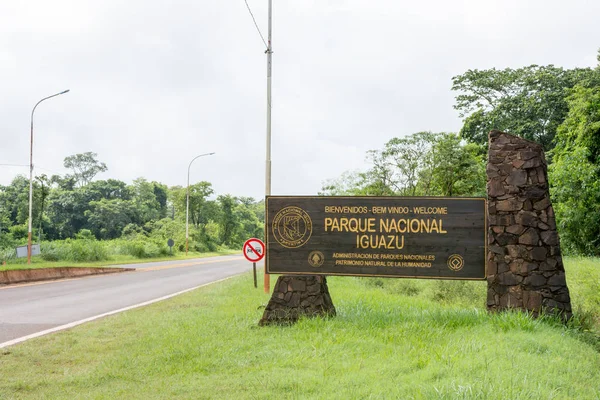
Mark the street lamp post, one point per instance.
(187, 203)
(31, 174)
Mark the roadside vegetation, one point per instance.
(79, 220)
(392, 338)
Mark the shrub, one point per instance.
(85, 234)
(458, 292)
(19, 231)
(7, 253)
(200, 247)
(140, 248)
(133, 248)
(50, 251)
(87, 250)
(408, 287)
(151, 250)
(132, 231)
(7, 240)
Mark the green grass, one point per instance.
(394, 339)
(584, 284)
(38, 262)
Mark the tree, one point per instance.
(14, 200)
(13, 210)
(202, 215)
(581, 128)
(161, 195)
(147, 206)
(42, 194)
(422, 164)
(107, 218)
(347, 184)
(576, 196)
(66, 211)
(375, 181)
(84, 166)
(456, 168)
(259, 210)
(575, 173)
(67, 205)
(67, 182)
(199, 193)
(529, 101)
(107, 189)
(238, 220)
(408, 155)
(379, 179)
(248, 225)
(228, 220)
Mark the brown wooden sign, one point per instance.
(412, 237)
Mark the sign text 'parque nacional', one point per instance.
(414, 237)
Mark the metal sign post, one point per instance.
(254, 250)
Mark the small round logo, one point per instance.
(456, 262)
(316, 258)
(292, 227)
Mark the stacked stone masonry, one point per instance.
(524, 267)
(296, 296)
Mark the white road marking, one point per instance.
(83, 321)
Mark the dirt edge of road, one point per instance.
(43, 274)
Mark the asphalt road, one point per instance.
(31, 308)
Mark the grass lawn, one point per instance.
(393, 338)
(38, 262)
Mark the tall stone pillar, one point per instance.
(525, 268)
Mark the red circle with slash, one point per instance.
(254, 250)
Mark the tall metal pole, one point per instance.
(187, 202)
(31, 175)
(267, 278)
(187, 211)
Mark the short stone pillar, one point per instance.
(524, 267)
(296, 296)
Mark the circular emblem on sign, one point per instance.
(292, 227)
(456, 262)
(316, 258)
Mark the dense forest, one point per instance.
(556, 107)
(137, 219)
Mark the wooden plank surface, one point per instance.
(415, 237)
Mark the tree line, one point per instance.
(77, 206)
(556, 107)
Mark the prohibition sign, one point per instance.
(254, 250)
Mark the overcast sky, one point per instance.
(155, 83)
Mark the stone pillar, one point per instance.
(295, 296)
(524, 267)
